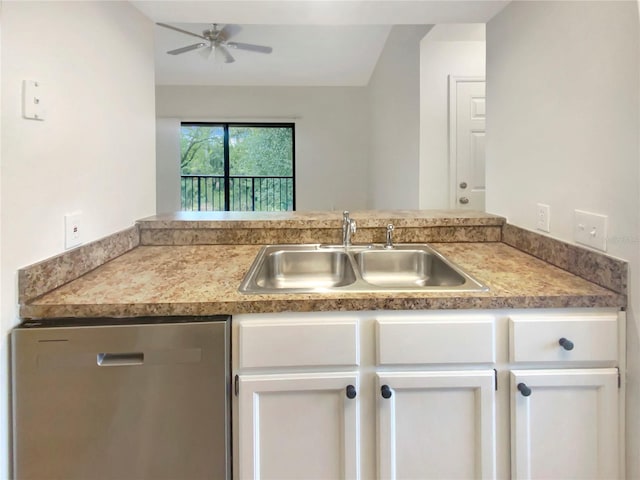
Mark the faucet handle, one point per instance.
(348, 222)
(348, 228)
(389, 243)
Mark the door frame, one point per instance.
(453, 132)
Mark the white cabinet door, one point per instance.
(436, 425)
(564, 424)
(299, 426)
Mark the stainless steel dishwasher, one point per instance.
(121, 399)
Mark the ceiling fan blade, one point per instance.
(180, 30)
(250, 47)
(222, 52)
(229, 31)
(188, 48)
(206, 52)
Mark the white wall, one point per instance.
(4, 325)
(446, 50)
(167, 165)
(331, 133)
(563, 129)
(394, 92)
(95, 151)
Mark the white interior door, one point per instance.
(467, 142)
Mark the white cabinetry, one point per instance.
(565, 425)
(436, 424)
(298, 426)
(406, 395)
(566, 421)
(297, 389)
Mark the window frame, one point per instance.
(226, 163)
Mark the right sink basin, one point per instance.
(406, 267)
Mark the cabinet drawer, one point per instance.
(592, 338)
(294, 343)
(435, 340)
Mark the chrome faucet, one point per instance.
(389, 243)
(348, 228)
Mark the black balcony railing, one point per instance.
(207, 193)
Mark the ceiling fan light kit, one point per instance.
(216, 42)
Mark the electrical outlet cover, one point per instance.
(590, 229)
(72, 230)
(543, 220)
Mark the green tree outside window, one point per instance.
(259, 174)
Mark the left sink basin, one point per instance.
(281, 268)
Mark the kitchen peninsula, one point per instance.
(372, 384)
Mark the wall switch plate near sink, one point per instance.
(590, 229)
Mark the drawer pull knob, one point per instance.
(351, 391)
(524, 390)
(385, 391)
(566, 344)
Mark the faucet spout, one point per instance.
(348, 229)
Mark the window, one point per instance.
(237, 166)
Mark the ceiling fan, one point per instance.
(216, 41)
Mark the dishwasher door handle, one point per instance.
(120, 359)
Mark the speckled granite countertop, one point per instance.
(203, 280)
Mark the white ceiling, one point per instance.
(315, 42)
(321, 12)
(308, 55)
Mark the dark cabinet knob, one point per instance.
(385, 391)
(566, 344)
(524, 390)
(351, 391)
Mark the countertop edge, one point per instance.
(326, 219)
(31, 311)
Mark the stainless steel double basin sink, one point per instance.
(356, 268)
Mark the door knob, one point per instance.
(464, 200)
(463, 185)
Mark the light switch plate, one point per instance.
(72, 230)
(32, 100)
(590, 229)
